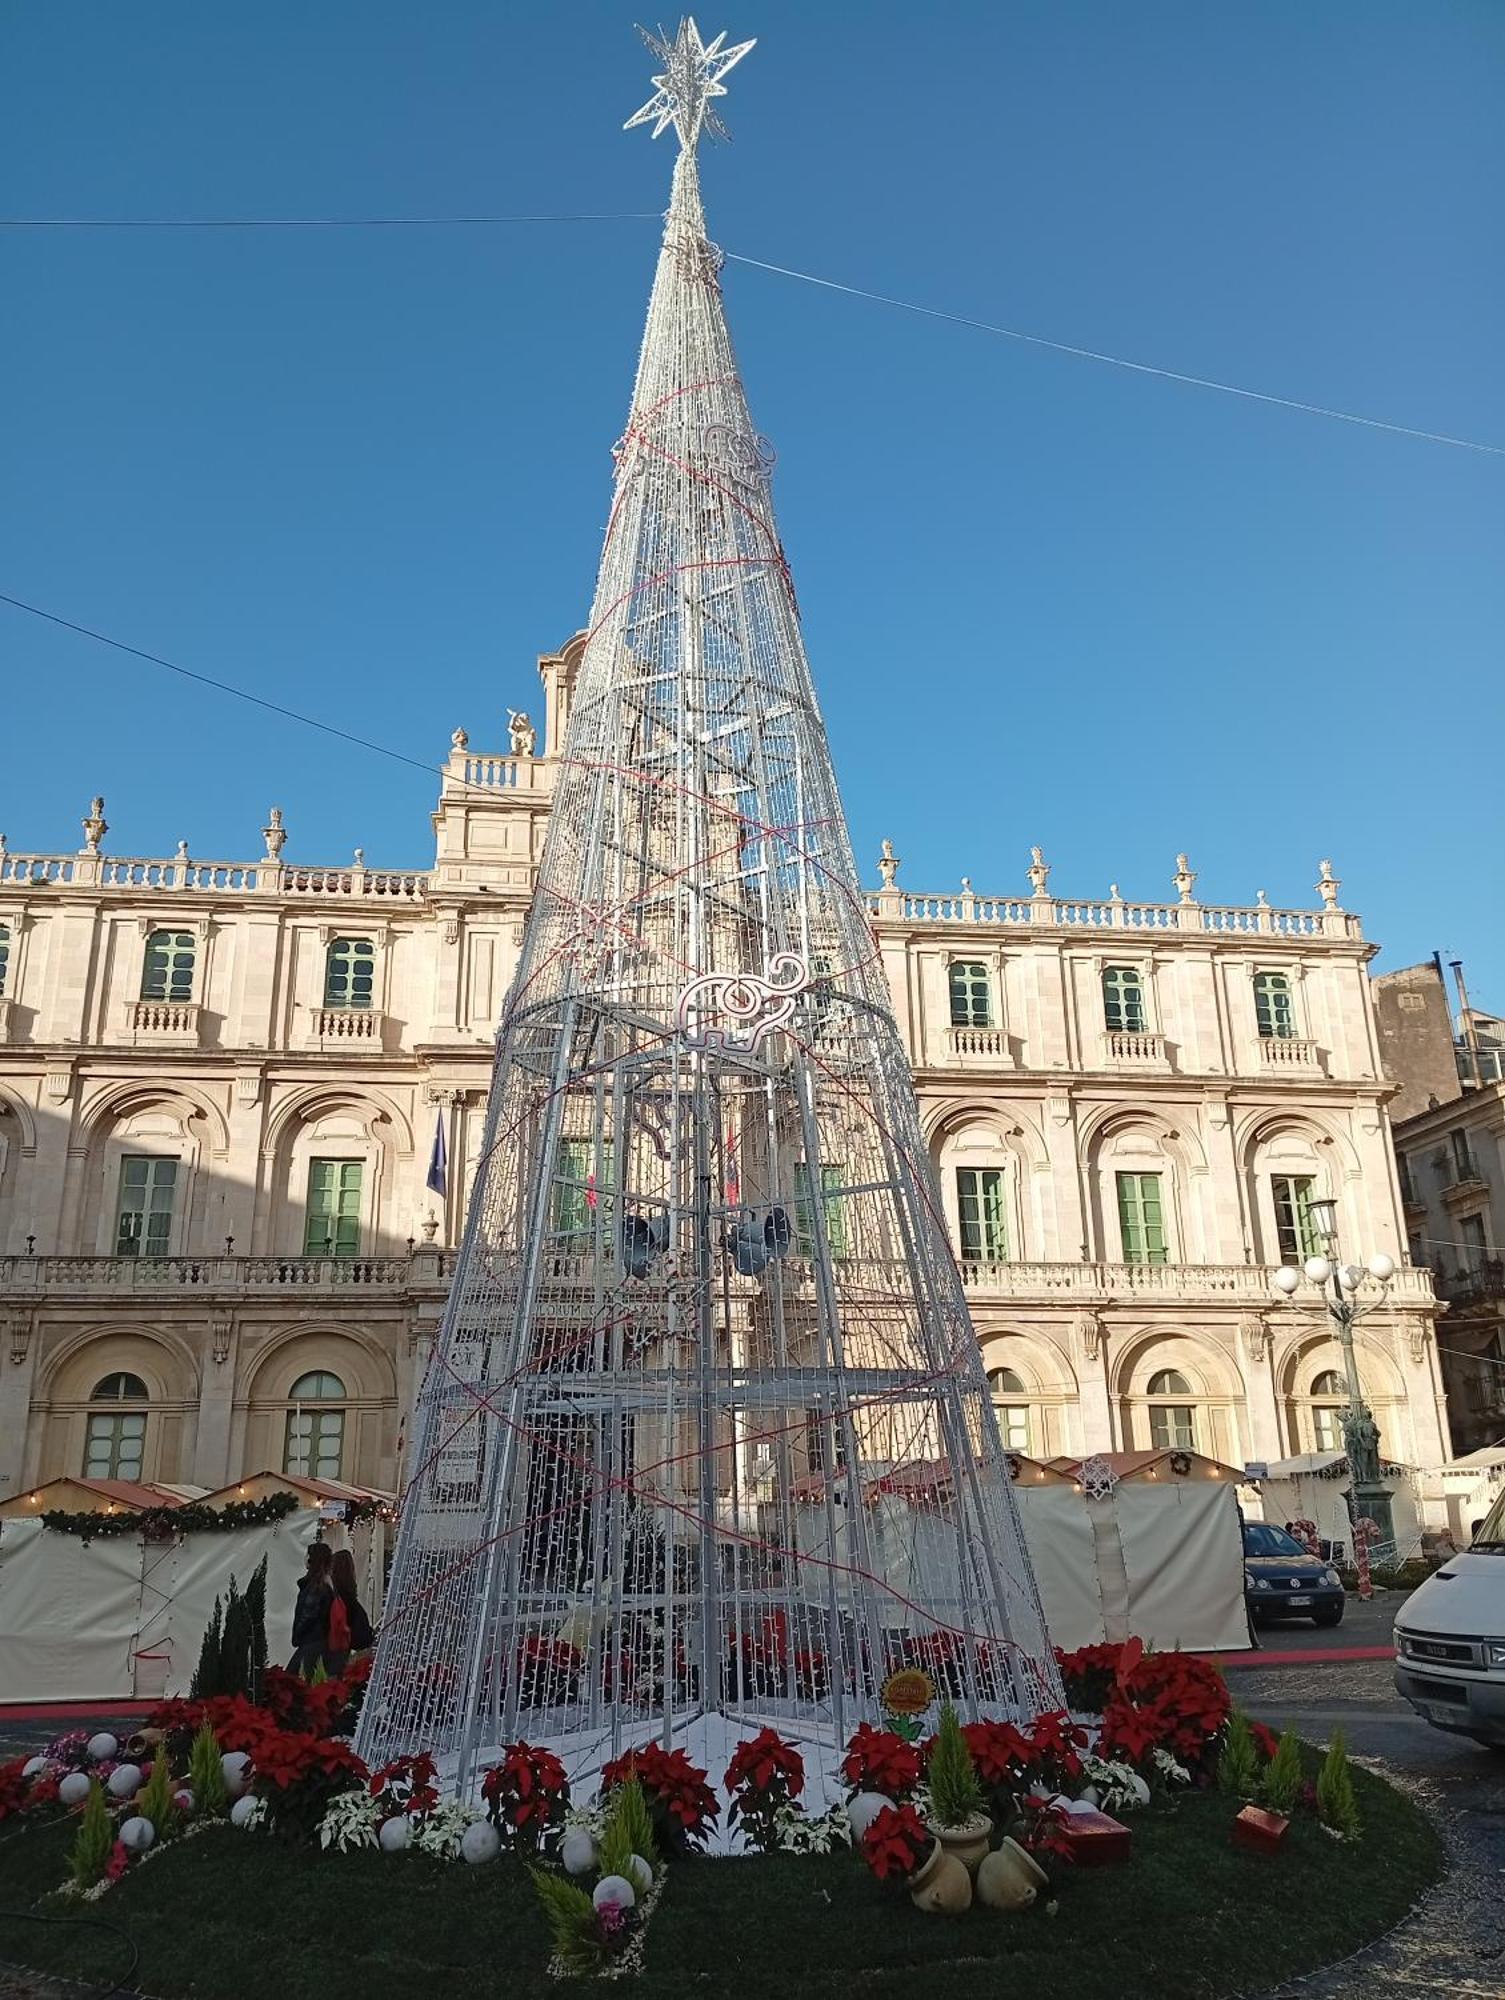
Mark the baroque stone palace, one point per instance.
(221, 1085)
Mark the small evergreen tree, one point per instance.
(616, 1849)
(95, 1839)
(955, 1794)
(256, 1605)
(235, 1650)
(637, 1822)
(206, 1674)
(1282, 1785)
(1238, 1767)
(206, 1775)
(1336, 1805)
(157, 1801)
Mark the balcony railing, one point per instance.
(1289, 1052)
(163, 1023)
(980, 1044)
(228, 878)
(173, 1276)
(1134, 1046)
(1112, 913)
(1472, 1285)
(1244, 1283)
(339, 1026)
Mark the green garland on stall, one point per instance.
(192, 1518)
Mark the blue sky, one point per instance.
(365, 473)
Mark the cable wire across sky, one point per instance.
(1181, 377)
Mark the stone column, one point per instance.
(211, 1443)
(18, 1367)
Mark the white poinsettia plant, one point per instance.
(350, 1821)
(1170, 1771)
(799, 1834)
(1119, 1788)
(442, 1828)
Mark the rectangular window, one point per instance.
(1463, 1158)
(1295, 1233)
(1403, 1169)
(1327, 1427)
(167, 970)
(1141, 1219)
(1123, 1001)
(315, 1440)
(1173, 1427)
(333, 1218)
(115, 1444)
(577, 1191)
(1273, 1012)
(143, 1220)
(1471, 1235)
(1013, 1426)
(971, 994)
(979, 1210)
(832, 1180)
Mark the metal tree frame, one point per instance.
(706, 1431)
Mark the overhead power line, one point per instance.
(1073, 349)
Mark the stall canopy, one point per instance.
(93, 1496)
(1317, 1486)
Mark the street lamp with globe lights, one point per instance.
(1339, 1286)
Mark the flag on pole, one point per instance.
(438, 1173)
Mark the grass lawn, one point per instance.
(234, 1916)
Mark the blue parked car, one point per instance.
(1282, 1581)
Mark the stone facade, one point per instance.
(220, 1085)
(1451, 1158)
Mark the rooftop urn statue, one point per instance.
(182, 853)
(888, 864)
(1184, 879)
(522, 732)
(274, 834)
(96, 826)
(1328, 884)
(1039, 871)
(460, 740)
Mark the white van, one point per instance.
(1450, 1639)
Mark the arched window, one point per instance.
(1329, 1400)
(1273, 1009)
(115, 1439)
(1124, 1011)
(349, 972)
(971, 994)
(1173, 1425)
(315, 1426)
(1013, 1412)
(167, 970)
(4, 957)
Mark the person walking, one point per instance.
(312, 1611)
(349, 1627)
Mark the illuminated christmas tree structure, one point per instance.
(706, 1440)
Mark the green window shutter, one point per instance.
(167, 970)
(143, 1218)
(350, 973)
(1123, 1000)
(4, 956)
(980, 1213)
(332, 1224)
(1295, 1235)
(1141, 1219)
(971, 994)
(832, 1180)
(1273, 1012)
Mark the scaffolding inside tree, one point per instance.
(705, 1432)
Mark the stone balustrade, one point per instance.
(1114, 914)
(342, 1026)
(228, 878)
(1280, 1052)
(1134, 1046)
(172, 1277)
(1240, 1283)
(981, 1044)
(163, 1023)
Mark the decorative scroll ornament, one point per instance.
(747, 456)
(1098, 1478)
(751, 1007)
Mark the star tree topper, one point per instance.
(693, 70)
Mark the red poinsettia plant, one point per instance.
(1166, 1701)
(879, 1760)
(683, 1805)
(298, 1773)
(405, 1786)
(1041, 1829)
(896, 1842)
(526, 1795)
(765, 1775)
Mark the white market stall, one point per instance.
(121, 1617)
(1316, 1486)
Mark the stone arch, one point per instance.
(351, 1432)
(1314, 1352)
(1144, 1139)
(64, 1403)
(168, 1120)
(1295, 1145)
(1215, 1398)
(978, 1137)
(18, 1144)
(1049, 1388)
(347, 1122)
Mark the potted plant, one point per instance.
(957, 1816)
(899, 1846)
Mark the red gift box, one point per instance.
(1094, 1840)
(1260, 1831)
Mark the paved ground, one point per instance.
(1456, 1943)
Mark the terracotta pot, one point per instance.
(969, 1842)
(1009, 1878)
(941, 1883)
